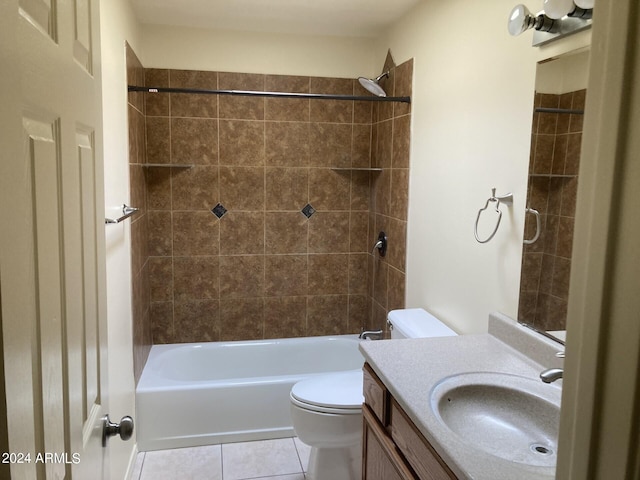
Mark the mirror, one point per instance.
(551, 192)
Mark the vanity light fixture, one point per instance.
(557, 9)
(559, 18)
(521, 20)
(586, 4)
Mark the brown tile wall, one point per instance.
(139, 231)
(553, 180)
(263, 269)
(390, 194)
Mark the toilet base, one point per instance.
(344, 463)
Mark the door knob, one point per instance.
(109, 429)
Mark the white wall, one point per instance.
(117, 25)
(246, 52)
(472, 111)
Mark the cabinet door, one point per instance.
(381, 461)
(415, 448)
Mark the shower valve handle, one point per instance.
(381, 244)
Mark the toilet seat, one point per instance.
(336, 393)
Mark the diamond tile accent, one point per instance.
(219, 210)
(308, 210)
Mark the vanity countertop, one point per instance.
(411, 368)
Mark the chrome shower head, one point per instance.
(373, 86)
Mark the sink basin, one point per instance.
(509, 416)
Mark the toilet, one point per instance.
(416, 323)
(326, 410)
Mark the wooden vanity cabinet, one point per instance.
(381, 459)
(393, 448)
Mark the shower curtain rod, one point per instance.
(559, 110)
(252, 93)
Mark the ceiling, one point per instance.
(354, 18)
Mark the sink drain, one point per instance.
(540, 449)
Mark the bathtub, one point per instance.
(194, 394)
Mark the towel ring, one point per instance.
(506, 199)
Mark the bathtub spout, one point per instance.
(369, 334)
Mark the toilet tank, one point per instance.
(416, 323)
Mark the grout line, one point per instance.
(221, 462)
(141, 465)
(299, 456)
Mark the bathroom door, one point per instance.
(52, 239)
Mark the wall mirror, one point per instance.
(556, 136)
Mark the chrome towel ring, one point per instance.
(505, 199)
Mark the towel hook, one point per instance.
(506, 199)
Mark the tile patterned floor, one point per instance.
(281, 459)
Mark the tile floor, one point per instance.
(281, 459)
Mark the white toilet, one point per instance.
(327, 410)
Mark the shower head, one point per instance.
(373, 86)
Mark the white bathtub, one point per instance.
(195, 394)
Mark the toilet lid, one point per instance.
(341, 390)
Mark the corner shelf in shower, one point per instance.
(552, 175)
(356, 169)
(167, 165)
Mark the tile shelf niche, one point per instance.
(357, 169)
(552, 175)
(172, 165)
(337, 169)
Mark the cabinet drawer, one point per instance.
(416, 449)
(376, 395)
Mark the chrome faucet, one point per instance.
(551, 375)
(365, 334)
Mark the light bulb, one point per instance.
(586, 4)
(558, 8)
(520, 20)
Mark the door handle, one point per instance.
(109, 429)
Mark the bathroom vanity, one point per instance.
(393, 448)
(471, 406)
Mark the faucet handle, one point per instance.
(560, 354)
(368, 334)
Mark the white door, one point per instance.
(52, 239)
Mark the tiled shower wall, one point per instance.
(391, 136)
(268, 232)
(553, 181)
(139, 234)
